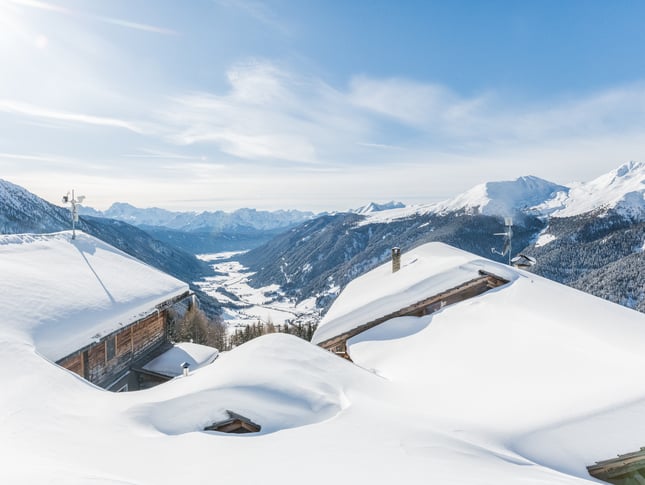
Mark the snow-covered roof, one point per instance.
(425, 271)
(62, 294)
(170, 362)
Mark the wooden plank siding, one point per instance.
(74, 363)
(124, 342)
(484, 282)
(103, 361)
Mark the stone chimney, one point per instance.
(396, 259)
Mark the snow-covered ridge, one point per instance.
(622, 189)
(503, 198)
(375, 207)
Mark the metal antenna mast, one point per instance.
(508, 239)
(75, 202)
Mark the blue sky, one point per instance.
(319, 105)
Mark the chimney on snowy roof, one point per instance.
(396, 259)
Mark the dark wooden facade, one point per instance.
(107, 362)
(484, 282)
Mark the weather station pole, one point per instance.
(508, 240)
(74, 203)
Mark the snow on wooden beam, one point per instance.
(486, 281)
(625, 469)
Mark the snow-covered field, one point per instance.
(525, 384)
(245, 305)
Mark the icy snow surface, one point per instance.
(526, 384)
(63, 294)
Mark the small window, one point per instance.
(123, 389)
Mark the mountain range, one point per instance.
(588, 235)
(204, 232)
(23, 212)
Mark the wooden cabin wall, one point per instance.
(103, 362)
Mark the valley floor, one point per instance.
(245, 305)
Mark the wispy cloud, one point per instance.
(382, 146)
(52, 7)
(26, 109)
(165, 155)
(49, 160)
(268, 113)
(274, 113)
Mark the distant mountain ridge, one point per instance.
(375, 207)
(217, 221)
(589, 250)
(621, 190)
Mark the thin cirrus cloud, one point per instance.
(30, 110)
(52, 7)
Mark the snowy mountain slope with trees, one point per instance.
(528, 383)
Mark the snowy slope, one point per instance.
(22, 211)
(375, 207)
(63, 294)
(526, 384)
(170, 362)
(622, 189)
(502, 198)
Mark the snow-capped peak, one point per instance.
(374, 207)
(503, 198)
(622, 189)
